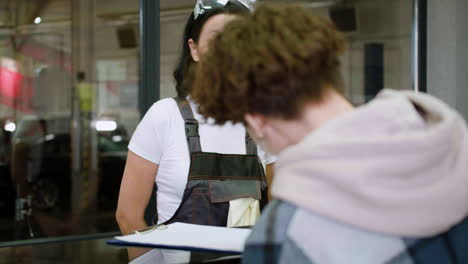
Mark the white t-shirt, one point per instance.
(160, 138)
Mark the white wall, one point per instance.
(447, 68)
(462, 57)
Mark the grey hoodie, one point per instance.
(398, 165)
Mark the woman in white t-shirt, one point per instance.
(158, 151)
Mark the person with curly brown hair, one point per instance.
(385, 182)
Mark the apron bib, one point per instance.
(215, 179)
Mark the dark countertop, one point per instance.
(91, 251)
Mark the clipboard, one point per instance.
(189, 237)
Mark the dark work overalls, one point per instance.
(215, 179)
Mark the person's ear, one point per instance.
(256, 125)
(194, 50)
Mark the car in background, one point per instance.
(42, 147)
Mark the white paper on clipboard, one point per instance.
(189, 237)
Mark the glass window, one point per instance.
(35, 86)
(39, 194)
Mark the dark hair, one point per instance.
(192, 30)
(272, 63)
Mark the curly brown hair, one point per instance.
(272, 62)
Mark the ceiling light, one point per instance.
(10, 127)
(106, 125)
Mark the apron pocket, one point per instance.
(225, 191)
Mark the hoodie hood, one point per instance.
(397, 165)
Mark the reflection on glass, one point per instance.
(96, 252)
(41, 168)
(36, 143)
(163, 256)
(10, 126)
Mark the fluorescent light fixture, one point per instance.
(10, 126)
(117, 138)
(106, 125)
(49, 137)
(37, 20)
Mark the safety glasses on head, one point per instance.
(203, 6)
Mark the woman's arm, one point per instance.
(135, 192)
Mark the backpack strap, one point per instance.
(250, 146)
(191, 125)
